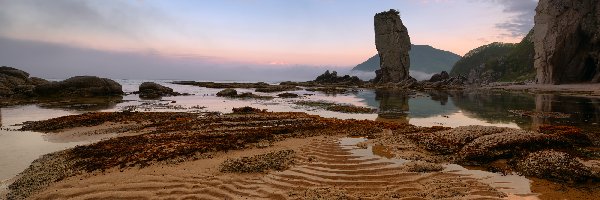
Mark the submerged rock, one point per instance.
(393, 44)
(567, 41)
(80, 86)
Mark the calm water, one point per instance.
(19, 149)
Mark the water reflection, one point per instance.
(393, 106)
(488, 107)
(82, 104)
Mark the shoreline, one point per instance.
(584, 90)
(175, 123)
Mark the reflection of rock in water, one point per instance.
(82, 104)
(543, 103)
(441, 96)
(494, 106)
(393, 105)
(584, 113)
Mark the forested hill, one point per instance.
(507, 62)
(423, 58)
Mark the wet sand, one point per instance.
(325, 169)
(160, 158)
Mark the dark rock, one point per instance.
(393, 44)
(16, 82)
(288, 95)
(567, 41)
(550, 164)
(247, 110)
(439, 77)
(155, 90)
(81, 86)
(481, 76)
(38, 81)
(328, 78)
(14, 72)
(227, 93)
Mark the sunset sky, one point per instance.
(337, 33)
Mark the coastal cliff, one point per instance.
(567, 41)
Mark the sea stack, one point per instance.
(567, 41)
(393, 43)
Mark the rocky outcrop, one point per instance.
(481, 76)
(232, 93)
(551, 164)
(288, 95)
(439, 77)
(393, 44)
(567, 41)
(80, 86)
(17, 82)
(227, 93)
(444, 81)
(329, 78)
(155, 90)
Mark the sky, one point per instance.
(218, 38)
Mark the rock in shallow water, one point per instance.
(551, 164)
(227, 93)
(81, 86)
(155, 90)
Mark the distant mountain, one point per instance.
(501, 61)
(423, 58)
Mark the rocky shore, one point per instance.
(166, 139)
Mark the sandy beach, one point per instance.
(269, 155)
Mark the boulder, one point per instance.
(80, 86)
(155, 90)
(227, 93)
(17, 82)
(551, 164)
(393, 44)
(439, 77)
(567, 41)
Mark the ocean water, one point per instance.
(434, 108)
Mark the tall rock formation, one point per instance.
(567, 41)
(393, 43)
